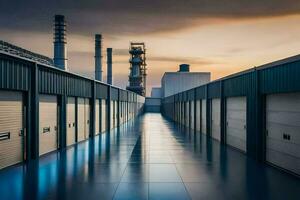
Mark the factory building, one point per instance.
(43, 107)
(183, 79)
(256, 111)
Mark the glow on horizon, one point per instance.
(221, 47)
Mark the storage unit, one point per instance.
(71, 134)
(192, 115)
(216, 119)
(203, 116)
(198, 114)
(103, 115)
(283, 131)
(11, 128)
(97, 116)
(87, 114)
(83, 117)
(236, 130)
(186, 115)
(48, 124)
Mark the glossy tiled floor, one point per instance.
(150, 158)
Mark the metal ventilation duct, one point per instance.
(98, 57)
(109, 66)
(60, 41)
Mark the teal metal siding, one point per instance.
(14, 75)
(214, 90)
(201, 92)
(283, 78)
(101, 91)
(114, 94)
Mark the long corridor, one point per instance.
(149, 158)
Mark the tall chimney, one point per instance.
(60, 41)
(98, 57)
(109, 66)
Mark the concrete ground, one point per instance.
(149, 158)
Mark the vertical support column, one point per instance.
(208, 112)
(63, 121)
(223, 114)
(76, 119)
(108, 121)
(195, 111)
(93, 111)
(33, 109)
(118, 109)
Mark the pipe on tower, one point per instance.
(109, 65)
(98, 57)
(60, 41)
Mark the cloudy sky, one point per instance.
(219, 36)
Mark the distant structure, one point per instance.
(109, 66)
(98, 57)
(60, 42)
(137, 75)
(182, 80)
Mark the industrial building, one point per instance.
(255, 111)
(45, 108)
(175, 82)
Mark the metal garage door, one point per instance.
(71, 121)
(48, 129)
(97, 116)
(283, 131)
(86, 118)
(203, 116)
(192, 115)
(186, 115)
(80, 120)
(11, 128)
(198, 114)
(103, 115)
(215, 119)
(236, 122)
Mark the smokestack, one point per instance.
(109, 66)
(98, 57)
(60, 41)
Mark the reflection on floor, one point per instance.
(149, 158)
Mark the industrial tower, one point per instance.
(137, 75)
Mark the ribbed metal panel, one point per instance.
(214, 89)
(14, 75)
(238, 86)
(114, 94)
(191, 94)
(52, 81)
(101, 91)
(284, 78)
(201, 92)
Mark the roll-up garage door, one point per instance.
(192, 115)
(203, 116)
(283, 131)
(80, 119)
(71, 121)
(236, 122)
(86, 118)
(48, 129)
(215, 119)
(198, 114)
(186, 115)
(103, 115)
(11, 128)
(97, 116)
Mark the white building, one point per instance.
(175, 82)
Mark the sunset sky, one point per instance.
(218, 36)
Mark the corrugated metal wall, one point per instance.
(33, 78)
(254, 84)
